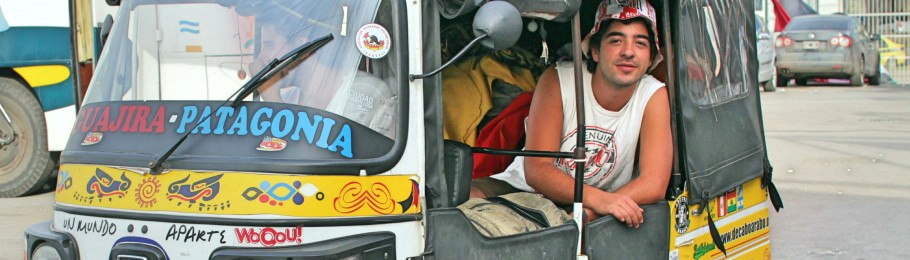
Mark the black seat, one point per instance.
(458, 165)
(649, 241)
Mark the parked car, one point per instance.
(827, 46)
(892, 53)
(765, 48)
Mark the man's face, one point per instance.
(273, 46)
(624, 55)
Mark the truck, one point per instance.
(46, 61)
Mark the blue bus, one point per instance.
(41, 70)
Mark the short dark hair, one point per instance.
(594, 41)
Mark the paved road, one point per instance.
(15, 216)
(842, 163)
(841, 157)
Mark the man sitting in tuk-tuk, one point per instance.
(626, 111)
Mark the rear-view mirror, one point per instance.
(497, 25)
(501, 22)
(106, 29)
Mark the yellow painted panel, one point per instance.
(237, 193)
(43, 75)
(742, 221)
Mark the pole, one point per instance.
(579, 153)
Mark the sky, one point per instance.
(34, 13)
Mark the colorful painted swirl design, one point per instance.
(105, 185)
(353, 197)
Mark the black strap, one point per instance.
(534, 216)
(776, 200)
(712, 228)
(715, 235)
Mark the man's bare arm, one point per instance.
(655, 154)
(544, 132)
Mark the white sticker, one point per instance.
(373, 41)
(674, 255)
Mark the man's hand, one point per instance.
(621, 207)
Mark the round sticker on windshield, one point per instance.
(373, 41)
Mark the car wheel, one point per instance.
(802, 81)
(857, 78)
(782, 81)
(770, 85)
(25, 163)
(876, 78)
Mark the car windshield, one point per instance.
(818, 23)
(206, 50)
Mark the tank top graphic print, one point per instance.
(600, 149)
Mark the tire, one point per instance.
(876, 78)
(802, 81)
(771, 84)
(782, 81)
(25, 164)
(857, 78)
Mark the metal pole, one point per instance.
(577, 206)
(74, 58)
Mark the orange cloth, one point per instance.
(466, 93)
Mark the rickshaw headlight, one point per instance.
(353, 257)
(45, 251)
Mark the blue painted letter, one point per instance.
(307, 126)
(344, 141)
(189, 114)
(239, 122)
(257, 126)
(280, 130)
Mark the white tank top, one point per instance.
(611, 136)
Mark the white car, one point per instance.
(767, 75)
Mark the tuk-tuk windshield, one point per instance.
(168, 65)
(204, 50)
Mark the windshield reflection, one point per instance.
(206, 51)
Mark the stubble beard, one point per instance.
(611, 79)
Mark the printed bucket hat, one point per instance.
(624, 10)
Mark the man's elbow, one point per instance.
(653, 197)
(655, 194)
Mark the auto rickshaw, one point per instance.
(229, 169)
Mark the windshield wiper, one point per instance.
(267, 72)
(277, 65)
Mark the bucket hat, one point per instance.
(625, 10)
